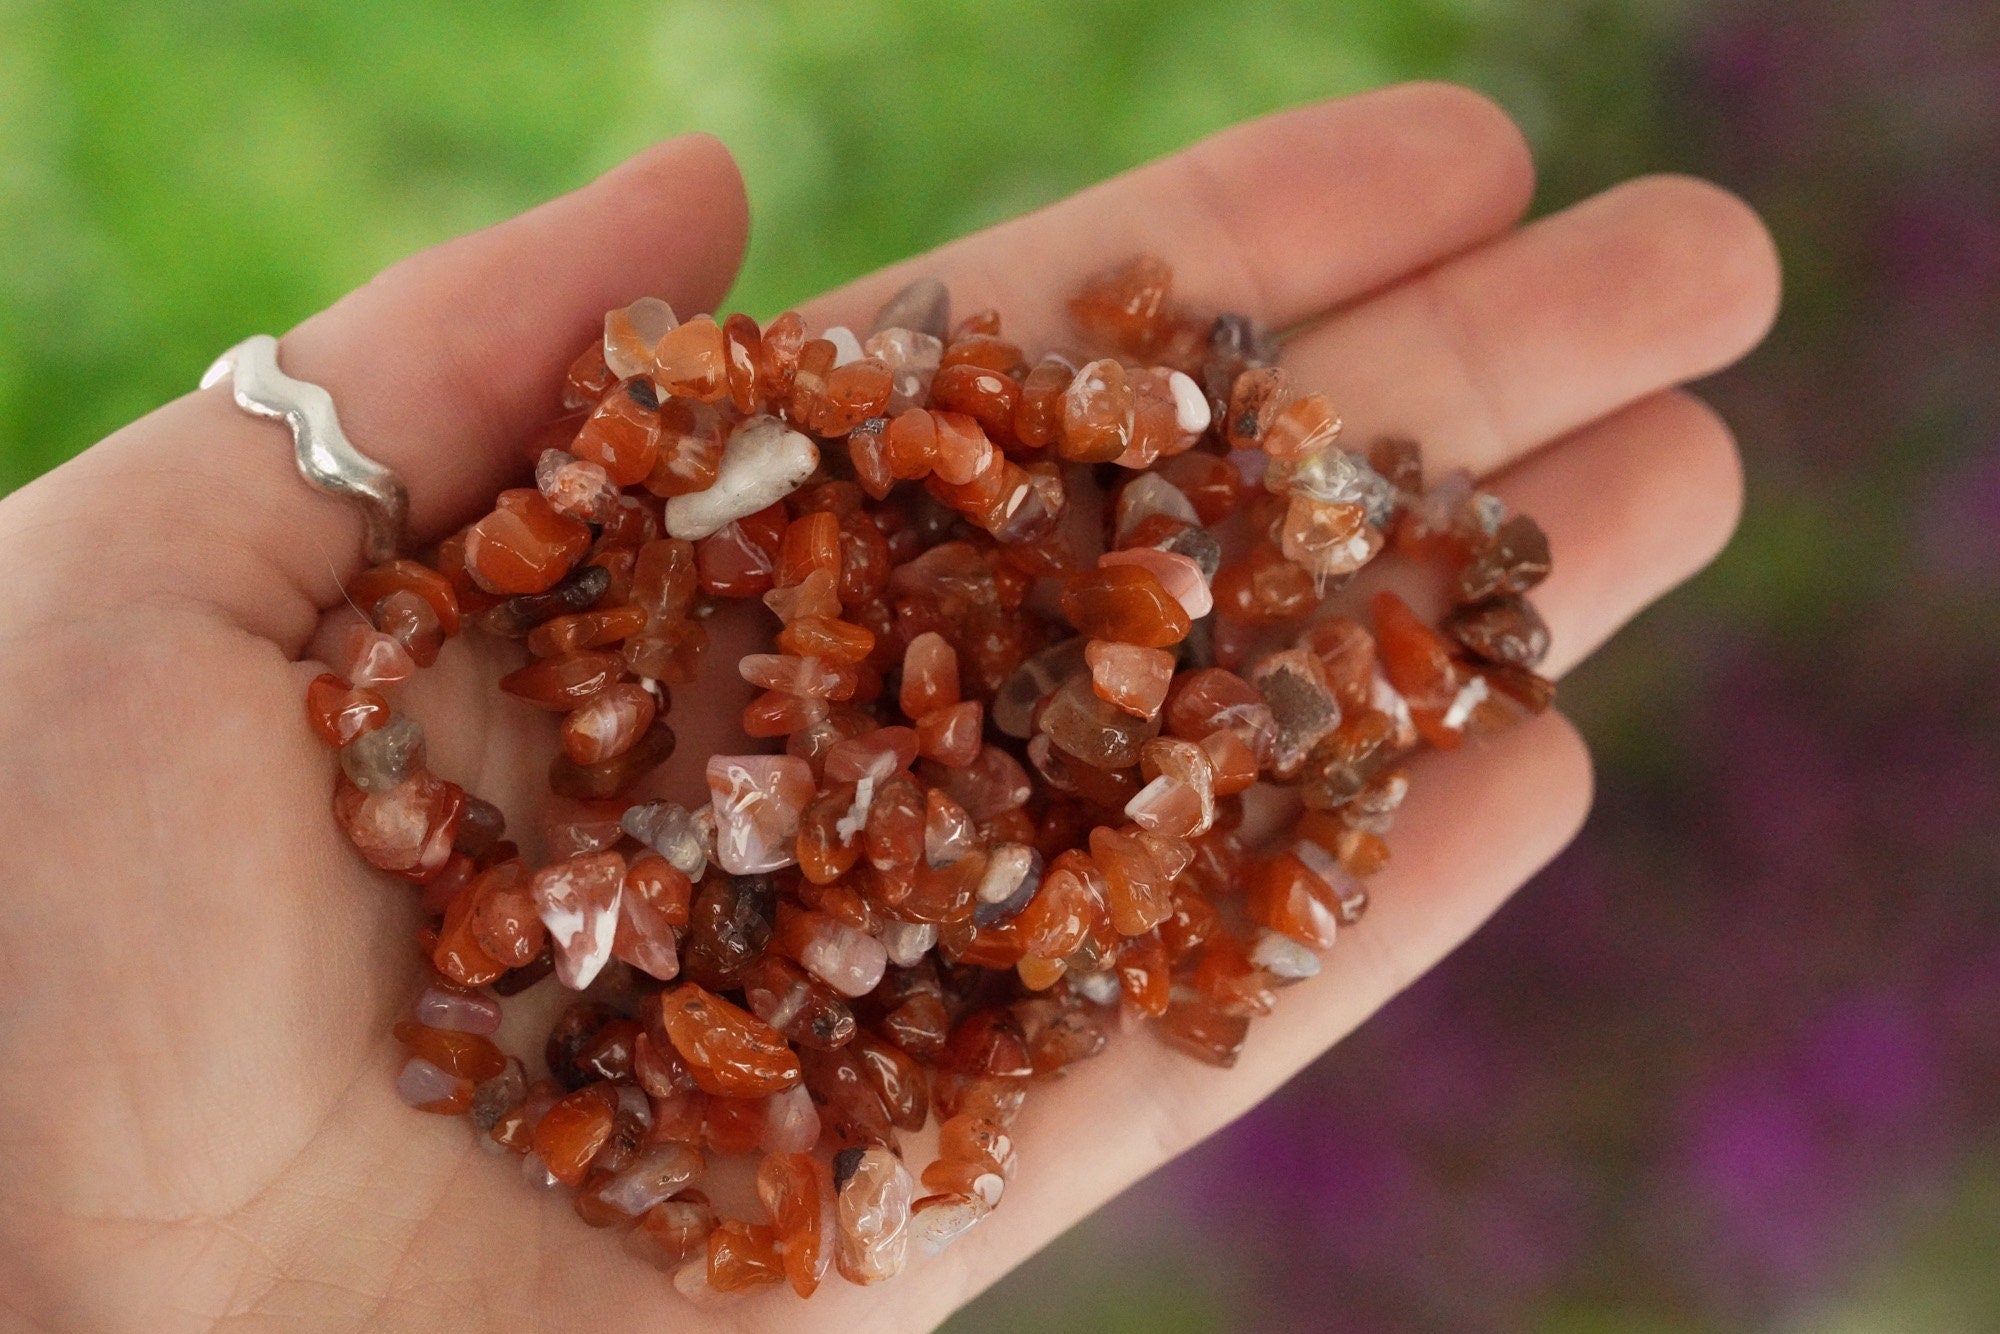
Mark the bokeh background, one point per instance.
(1733, 1062)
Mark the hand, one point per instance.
(197, 1122)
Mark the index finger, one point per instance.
(1280, 218)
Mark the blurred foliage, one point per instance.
(174, 176)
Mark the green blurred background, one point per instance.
(176, 174)
(1734, 1061)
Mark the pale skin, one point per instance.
(197, 975)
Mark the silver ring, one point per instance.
(326, 457)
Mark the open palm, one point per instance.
(197, 975)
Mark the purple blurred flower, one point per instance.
(1959, 524)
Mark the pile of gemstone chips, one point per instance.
(1003, 745)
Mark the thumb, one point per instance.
(439, 367)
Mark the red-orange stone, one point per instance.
(1194, 921)
(472, 599)
(988, 351)
(1126, 603)
(408, 829)
(1212, 698)
(523, 546)
(1285, 896)
(573, 1130)
(951, 735)
(811, 542)
(743, 347)
(739, 560)
(1264, 587)
(853, 393)
(996, 1100)
(868, 450)
(965, 457)
(1059, 917)
(654, 903)
(1144, 972)
(778, 357)
(564, 683)
(1303, 426)
(1254, 400)
(623, 435)
(775, 713)
(339, 712)
(690, 448)
(1419, 663)
(664, 578)
(910, 446)
(671, 652)
(898, 1080)
(982, 322)
(458, 953)
(1211, 483)
(930, 675)
(690, 361)
(1125, 308)
(1204, 1032)
(788, 1186)
(894, 837)
(505, 925)
(1133, 678)
(608, 723)
(1038, 411)
(565, 635)
(1234, 762)
(731, 1127)
(825, 851)
(1138, 891)
(743, 1256)
(673, 1231)
(826, 638)
(973, 1140)
(376, 582)
(664, 887)
(467, 1055)
(987, 1042)
(800, 1006)
(1096, 422)
(728, 1050)
(1229, 980)
(589, 378)
(808, 395)
(987, 396)
(407, 619)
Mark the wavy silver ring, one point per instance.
(326, 457)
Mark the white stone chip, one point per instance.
(1191, 410)
(1284, 958)
(650, 319)
(908, 942)
(846, 347)
(764, 461)
(1149, 494)
(1470, 696)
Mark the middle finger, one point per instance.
(1490, 355)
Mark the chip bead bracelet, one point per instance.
(1008, 744)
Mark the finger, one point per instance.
(1279, 218)
(1477, 824)
(1633, 505)
(1643, 287)
(439, 367)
